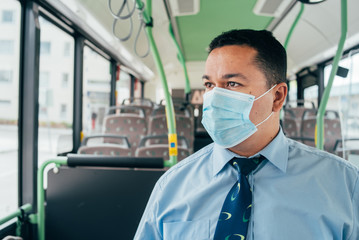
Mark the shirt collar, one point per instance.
(275, 152)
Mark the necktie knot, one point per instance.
(246, 165)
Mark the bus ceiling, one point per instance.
(317, 31)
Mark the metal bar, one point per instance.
(28, 108)
(41, 195)
(23, 209)
(113, 83)
(170, 116)
(78, 89)
(171, 124)
(294, 25)
(323, 104)
(320, 78)
(132, 86)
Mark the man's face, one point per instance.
(232, 67)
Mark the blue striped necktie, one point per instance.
(236, 210)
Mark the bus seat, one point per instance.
(137, 102)
(106, 144)
(125, 124)
(96, 202)
(179, 110)
(143, 103)
(332, 132)
(161, 150)
(290, 127)
(106, 150)
(184, 127)
(147, 148)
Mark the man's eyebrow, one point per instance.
(227, 76)
(205, 77)
(234, 75)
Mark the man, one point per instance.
(297, 192)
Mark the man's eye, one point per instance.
(233, 84)
(208, 85)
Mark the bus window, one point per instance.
(293, 89)
(311, 94)
(96, 90)
(10, 15)
(123, 87)
(55, 91)
(344, 98)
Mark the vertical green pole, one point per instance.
(326, 94)
(294, 25)
(171, 124)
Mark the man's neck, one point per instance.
(255, 143)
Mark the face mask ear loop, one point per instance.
(265, 92)
(264, 119)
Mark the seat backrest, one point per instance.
(129, 125)
(184, 127)
(332, 132)
(299, 111)
(137, 102)
(290, 127)
(97, 202)
(145, 104)
(307, 130)
(160, 150)
(179, 110)
(105, 150)
(105, 144)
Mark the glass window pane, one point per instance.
(9, 101)
(344, 98)
(123, 87)
(45, 47)
(55, 100)
(7, 46)
(293, 89)
(96, 90)
(311, 94)
(8, 16)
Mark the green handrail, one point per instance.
(181, 60)
(326, 94)
(40, 216)
(294, 25)
(23, 209)
(171, 124)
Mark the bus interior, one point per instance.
(99, 98)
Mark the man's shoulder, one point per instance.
(313, 155)
(196, 162)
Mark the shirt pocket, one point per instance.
(198, 230)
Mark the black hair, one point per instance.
(271, 56)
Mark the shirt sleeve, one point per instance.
(148, 229)
(355, 232)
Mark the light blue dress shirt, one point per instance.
(299, 193)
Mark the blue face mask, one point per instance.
(226, 116)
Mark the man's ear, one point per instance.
(280, 94)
